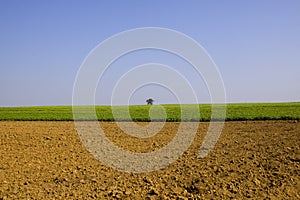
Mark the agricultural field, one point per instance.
(257, 155)
(234, 112)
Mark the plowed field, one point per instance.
(252, 159)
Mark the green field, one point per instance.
(240, 111)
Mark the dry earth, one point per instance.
(252, 159)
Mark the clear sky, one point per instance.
(255, 44)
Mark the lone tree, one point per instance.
(150, 101)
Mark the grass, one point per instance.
(241, 111)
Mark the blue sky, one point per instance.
(255, 44)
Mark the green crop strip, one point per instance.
(234, 112)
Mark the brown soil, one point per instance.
(46, 160)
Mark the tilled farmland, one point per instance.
(252, 159)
